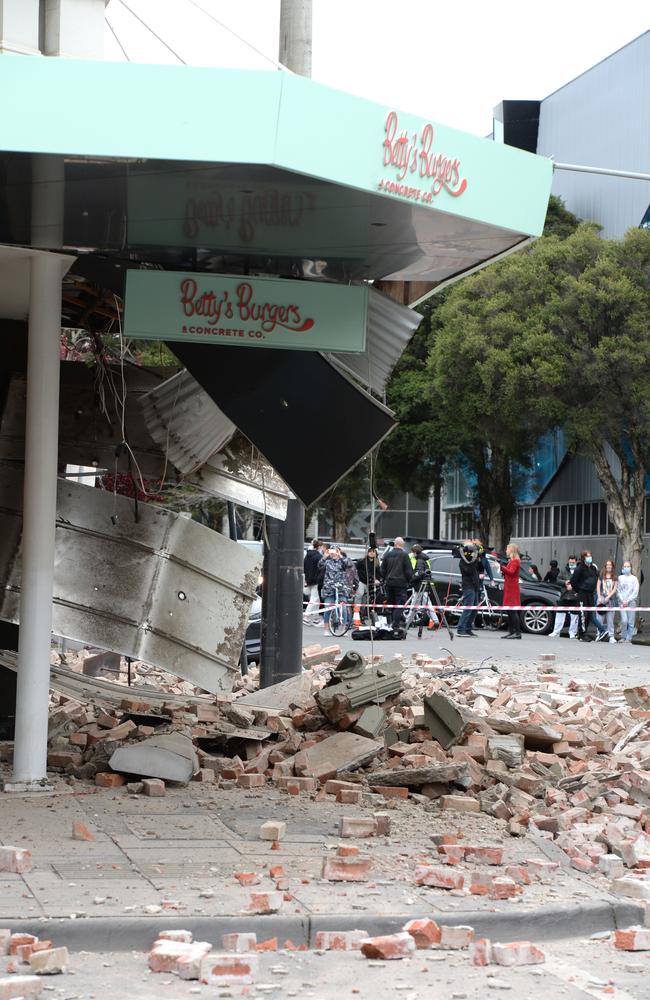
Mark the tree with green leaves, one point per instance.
(590, 347)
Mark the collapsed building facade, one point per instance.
(246, 188)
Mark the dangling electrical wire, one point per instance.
(152, 32)
(240, 38)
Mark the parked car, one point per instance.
(446, 576)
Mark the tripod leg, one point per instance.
(441, 612)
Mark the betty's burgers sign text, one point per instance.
(417, 169)
(248, 312)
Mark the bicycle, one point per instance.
(339, 614)
(489, 617)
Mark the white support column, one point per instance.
(39, 522)
(430, 512)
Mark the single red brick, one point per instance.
(517, 953)
(251, 781)
(340, 940)
(350, 796)
(265, 902)
(346, 869)
(18, 940)
(424, 932)
(484, 855)
(480, 952)
(240, 942)
(352, 826)
(389, 946)
(17, 860)
(247, 878)
(391, 791)
(441, 878)
(153, 787)
(81, 832)
(270, 945)
(108, 779)
(632, 939)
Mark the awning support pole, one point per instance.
(39, 523)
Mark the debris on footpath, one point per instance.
(568, 763)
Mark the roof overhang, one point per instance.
(377, 194)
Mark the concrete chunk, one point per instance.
(169, 756)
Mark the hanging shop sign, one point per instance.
(243, 311)
(415, 167)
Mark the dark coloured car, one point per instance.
(446, 576)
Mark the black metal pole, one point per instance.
(282, 596)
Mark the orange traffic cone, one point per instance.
(356, 618)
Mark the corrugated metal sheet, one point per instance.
(162, 589)
(185, 422)
(600, 119)
(390, 327)
(239, 473)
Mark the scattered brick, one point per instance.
(265, 902)
(17, 860)
(251, 781)
(108, 779)
(81, 832)
(456, 937)
(23, 987)
(239, 942)
(480, 952)
(390, 791)
(632, 939)
(153, 787)
(229, 969)
(358, 826)
(424, 932)
(179, 935)
(340, 940)
(389, 946)
(346, 869)
(247, 878)
(461, 803)
(271, 944)
(517, 953)
(273, 830)
(440, 878)
(51, 962)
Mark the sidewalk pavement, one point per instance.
(171, 861)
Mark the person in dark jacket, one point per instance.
(554, 572)
(369, 580)
(419, 561)
(470, 572)
(310, 569)
(584, 582)
(397, 573)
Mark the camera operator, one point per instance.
(469, 564)
(397, 573)
(420, 564)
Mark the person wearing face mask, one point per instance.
(628, 592)
(569, 599)
(606, 597)
(584, 582)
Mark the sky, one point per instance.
(450, 63)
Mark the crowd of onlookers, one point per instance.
(585, 586)
(332, 578)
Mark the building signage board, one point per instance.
(245, 311)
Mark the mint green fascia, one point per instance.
(341, 138)
(211, 115)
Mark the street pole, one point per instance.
(282, 587)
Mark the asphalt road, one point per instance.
(620, 662)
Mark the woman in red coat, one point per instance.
(511, 593)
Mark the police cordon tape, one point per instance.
(570, 609)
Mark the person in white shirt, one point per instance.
(628, 591)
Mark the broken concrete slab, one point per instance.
(405, 776)
(294, 691)
(447, 722)
(374, 685)
(370, 722)
(169, 756)
(342, 752)
(534, 735)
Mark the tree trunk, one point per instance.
(495, 500)
(625, 499)
(339, 513)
